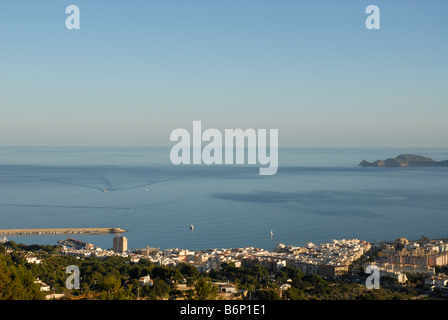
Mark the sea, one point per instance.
(317, 195)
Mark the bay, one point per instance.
(317, 195)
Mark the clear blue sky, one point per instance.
(136, 70)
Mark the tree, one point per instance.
(161, 272)
(159, 290)
(190, 282)
(294, 294)
(17, 282)
(111, 288)
(189, 271)
(5, 281)
(320, 286)
(205, 289)
(267, 295)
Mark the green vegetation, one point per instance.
(204, 289)
(16, 281)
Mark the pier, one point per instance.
(53, 231)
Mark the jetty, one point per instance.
(53, 231)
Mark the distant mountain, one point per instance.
(405, 160)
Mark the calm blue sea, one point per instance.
(317, 195)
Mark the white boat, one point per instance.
(191, 227)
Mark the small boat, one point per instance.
(272, 233)
(191, 227)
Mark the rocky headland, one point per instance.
(405, 160)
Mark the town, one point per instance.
(420, 265)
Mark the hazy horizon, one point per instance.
(170, 146)
(137, 70)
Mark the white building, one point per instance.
(439, 281)
(43, 285)
(401, 277)
(145, 281)
(226, 287)
(280, 265)
(31, 258)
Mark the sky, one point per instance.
(137, 70)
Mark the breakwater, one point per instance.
(53, 231)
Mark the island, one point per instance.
(405, 160)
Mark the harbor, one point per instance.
(53, 231)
